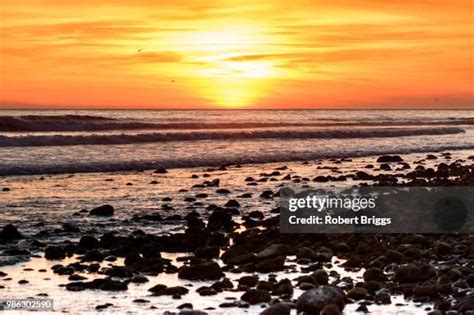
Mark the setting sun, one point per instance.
(130, 54)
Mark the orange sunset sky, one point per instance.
(236, 54)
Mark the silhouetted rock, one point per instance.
(255, 296)
(54, 253)
(10, 232)
(208, 270)
(105, 210)
(389, 159)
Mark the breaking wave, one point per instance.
(117, 139)
(45, 123)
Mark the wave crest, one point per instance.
(68, 140)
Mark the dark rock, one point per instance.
(70, 228)
(207, 252)
(93, 255)
(389, 159)
(220, 219)
(54, 253)
(267, 194)
(223, 191)
(113, 285)
(385, 167)
(383, 297)
(208, 270)
(256, 215)
(76, 277)
(470, 280)
(255, 296)
(465, 305)
(443, 249)
(407, 274)
(323, 254)
(374, 274)
(161, 170)
(273, 251)
(185, 305)
(101, 284)
(314, 300)
(139, 279)
(88, 242)
(321, 277)
(394, 255)
(120, 272)
(425, 291)
(362, 308)
(320, 179)
(191, 312)
(357, 293)
(206, 291)
(250, 281)
(330, 309)
(161, 289)
(223, 284)
(362, 176)
(232, 204)
(283, 287)
(305, 252)
(10, 232)
(277, 309)
(271, 264)
(16, 252)
(105, 210)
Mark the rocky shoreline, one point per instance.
(432, 270)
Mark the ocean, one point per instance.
(36, 142)
(55, 166)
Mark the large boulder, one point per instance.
(105, 210)
(314, 300)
